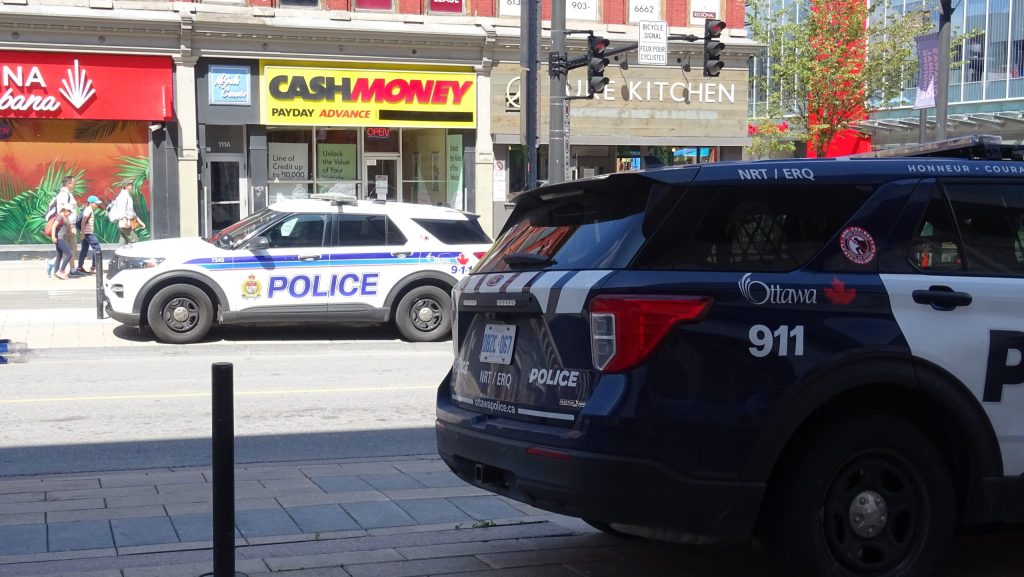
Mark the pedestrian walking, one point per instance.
(66, 199)
(89, 239)
(122, 211)
(60, 243)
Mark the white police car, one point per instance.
(324, 259)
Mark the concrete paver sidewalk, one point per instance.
(356, 517)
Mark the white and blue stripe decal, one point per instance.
(293, 261)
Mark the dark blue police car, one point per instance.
(827, 355)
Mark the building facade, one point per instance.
(228, 106)
(986, 77)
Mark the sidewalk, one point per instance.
(56, 326)
(404, 516)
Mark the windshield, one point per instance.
(243, 229)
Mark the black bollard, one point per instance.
(97, 267)
(223, 472)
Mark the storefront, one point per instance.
(97, 117)
(642, 107)
(279, 130)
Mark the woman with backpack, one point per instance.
(60, 228)
(122, 211)
(66, 199)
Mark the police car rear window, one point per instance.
(587, 230)
(455, 231)
(750, 228)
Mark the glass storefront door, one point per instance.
(225, 190)
(383, 177)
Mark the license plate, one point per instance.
(499, 340)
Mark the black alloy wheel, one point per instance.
(867, 496)
(180, 314)
(424, 314)
(873, 511)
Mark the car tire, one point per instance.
(180, 314)
(424, 314)
(608, 529)
(867, 496)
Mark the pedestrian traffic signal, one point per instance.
(596, 63)
(713, 47)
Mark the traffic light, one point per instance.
(713, 47)
(596, 63)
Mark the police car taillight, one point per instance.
(625, 329)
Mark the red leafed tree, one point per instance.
(829, 63)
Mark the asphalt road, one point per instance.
(69, 410)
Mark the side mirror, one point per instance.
(259, 243)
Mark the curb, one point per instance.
(9, 252)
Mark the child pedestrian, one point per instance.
(89, 239)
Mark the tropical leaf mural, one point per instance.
(22, 217)
(9, 186)
(97, 130)
(99, 154)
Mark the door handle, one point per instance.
(942, 298)
(308, 257)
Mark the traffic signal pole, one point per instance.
(595, 60)
(528, 105)
(556, 113)
(942, 88)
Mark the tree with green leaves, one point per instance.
(830, 63)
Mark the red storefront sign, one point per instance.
(85, 86)
(450, 6)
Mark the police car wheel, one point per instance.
(868, 496)
(424, 314)
(180, 314)
(607, 528)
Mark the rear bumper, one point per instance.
(600, 487)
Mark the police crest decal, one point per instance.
(251, 288)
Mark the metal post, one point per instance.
(556, 110)
(923, 118)
(223, 472)
(528, 105)
(942, 90)
(97, 267)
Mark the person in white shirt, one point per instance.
(122, 211)
(66, 199)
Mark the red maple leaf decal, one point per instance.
(838, 294)
(462, 259)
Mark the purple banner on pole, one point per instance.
(928, 56)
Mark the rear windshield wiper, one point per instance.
(527, 258)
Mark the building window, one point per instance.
(1017, 59)
(374, 5)
(337, 160)
(289, 172)
(975, 59)
(424, 166)
(445, 6)
(298, 3)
